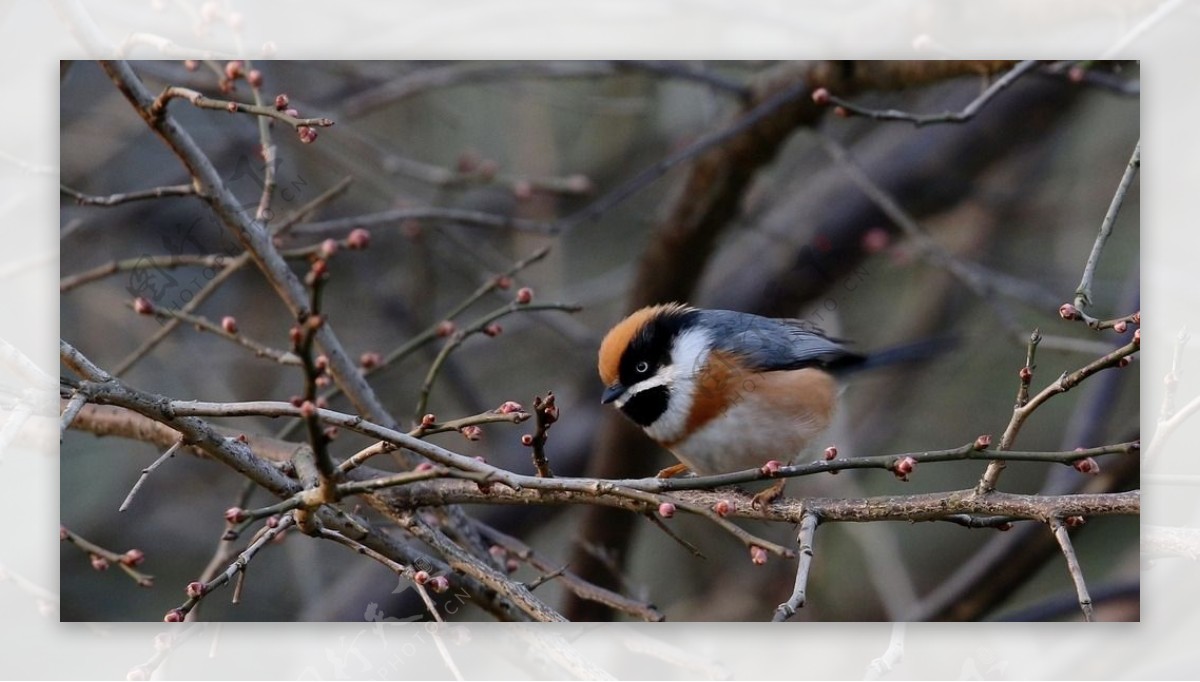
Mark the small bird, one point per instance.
(726, 391)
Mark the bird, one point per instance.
(727, 391)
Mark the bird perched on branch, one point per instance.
(726, 391)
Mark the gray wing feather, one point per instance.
(767, 344)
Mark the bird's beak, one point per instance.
(612, 393)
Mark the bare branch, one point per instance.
(126, 197)
(808, 531)
(1064, 541)
(1083, 293)
(919, 120)
(170, 452)
(158, 108)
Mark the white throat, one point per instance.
(688, 356)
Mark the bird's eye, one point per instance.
(642, 367)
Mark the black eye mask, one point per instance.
(647, 406)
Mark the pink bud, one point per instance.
(99, 563)
(493, 330)
(524, 295)
(772, 467)
(472, 432)
(235, 515)
(254, 78)
(229, 324)
(527, 440)
(830, 453)
(195, 590)
(875, 240)
(1068, 312)
(428, 420)
(328, 248)
(722, 507)
(503, 281)
(758, 555)
(903, 467)
(440, 584)
(359, 239)
(307, 409)
(820, 97)
(983, 442)
(370, 360)
(842, 112)
(421, 577)
(233, 69)
(308, 134)
(143, 306)
(133, 557)
(1087, 465)
(1026, 374)
(666, 510)
(281, 102)
(1120, 326)
(173, 616)
(509, 407)
(1074, 521)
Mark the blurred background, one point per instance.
(1017, 193)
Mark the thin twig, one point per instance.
(199, 590)
(577, 585)
(186, 190)
(966, 114)
(1083, 293)
(1068, 550)
(479, 326)
(74, 405)
(102, 558)
(1064, 383)
(546, 413)
(460, 560)
(204, 324)
(808, 532)
(397, 216)
(158, 107)
(170, 452)
(434, 330)
(399, 569)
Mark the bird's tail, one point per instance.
(904, 354)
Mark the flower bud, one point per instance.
(99, 563)
(527, 440)
(428, 420)
(722, 507)
(421, 577)
(359, 239)
(666, 510)
(233, 69)
(471, 432)
(235, 515)
(440, 584)
(308, 134)
(509, 407)
(820, 97)
(983, 442)
(370, 360)
(903, 467)
(229, 324)
(830, 453)
(772, 467)
(445, 328)
(1087, 465)
(1120, 326)
(195, 590)
(758, 555)
(173, 616)
(524, 295)
(254, 78)
(133, 557)
(493, 330)
(281, 102)
(143, 306)
(1068, 312)
(1074, 521)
